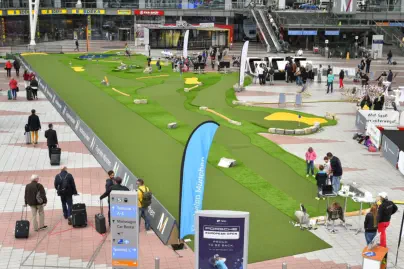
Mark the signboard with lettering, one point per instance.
(374, 134)
(124, 229)
(149, 12)
(53, 11)
(13, 12)
(124, 12)
(385, 118)
(88, 11)
(390, 150)
(302, 32)
(161, 221)
(344, 6)
(221, 239)
(331, 32)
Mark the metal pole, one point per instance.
(284, 265)
(157, 263)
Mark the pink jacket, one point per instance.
(311, 156)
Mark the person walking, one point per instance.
(51, 138)
(77, 45)
(17, 67)
(158, 65)
(66, 188)
(109, 182)
(35, 197)
(371, 224)
(13, 84)
(144, 201)
(260, 71)
(330, 81)
(386, 209)
(341, 79)
(271, 74)
(34, 125)
(8, 67)
(321, 178)
(311, 156)
(390, 76)
(336, 171)
(27, 77)
(368, 61)
(389, 57)
(116, 187)
(34, 87)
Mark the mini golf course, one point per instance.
(268, 182)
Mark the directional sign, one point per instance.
(124, 229)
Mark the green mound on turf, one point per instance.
(267, 182)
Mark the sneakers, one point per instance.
(42, 228)
(317, 198)
(307, 175)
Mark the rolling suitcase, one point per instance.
(29, 94)
(100, 225)
(27, 137)
(22, 226)
(79, 215)
(55, 156)
(9, 95)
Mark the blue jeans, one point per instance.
(329, 85)
(389, 60)
(143, 213)
(369, 237)
(67, 203)
(14, 93)
(336, 183)
(310, 167)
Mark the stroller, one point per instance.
(236, 61)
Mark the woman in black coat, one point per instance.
(378, 103)
(366, 101)
(34, 125)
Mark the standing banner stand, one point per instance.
(221, 239)
(124, 229)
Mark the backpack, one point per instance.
(63, 186)
(26, 128)
(147, 197)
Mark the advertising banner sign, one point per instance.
(185, 49)
(344, 6)
(149, 12)
(377, 46)
(243, 63)
(124, 12)
(374, 133)
(401, 162)
(161, 221)
(390, 151)
(221, 240)
(360, 122)
(193, 172)
(384, 118)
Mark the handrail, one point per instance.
(259, 26)
(270, 31)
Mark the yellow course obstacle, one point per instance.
(153, 77)
(120, 92)
(78, 68)
(285, 116)
(220, 115)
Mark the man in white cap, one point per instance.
(386, 209)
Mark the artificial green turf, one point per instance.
(267, 181)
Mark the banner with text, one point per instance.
(390, 150)
(384, 118)
(243, 63)
(401, 162)
(193, 170)
(221, 240)
(360, 122)
(162, 222)
(374, 134)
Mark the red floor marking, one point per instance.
(61, 231)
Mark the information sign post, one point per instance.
(124, 229)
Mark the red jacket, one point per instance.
(9, 65)
(27, 76)
(13, 84)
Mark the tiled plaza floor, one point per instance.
(63, 247)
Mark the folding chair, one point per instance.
(282, 99)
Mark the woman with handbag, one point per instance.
(13, 87)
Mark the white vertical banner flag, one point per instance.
(243, 62)
(185, 50)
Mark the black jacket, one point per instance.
(366, 102)
(34, 83)
(386, 209)
(115, 187)
(108, 184)
(30, 193)
(390, 77)
(16, 65)
(321, 179)
(71, 186)
(51, 137)
(34, 123)
(341, 74)
(336, 166)
(369, 224)
(378, 103)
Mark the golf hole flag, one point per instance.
(221, 239)
(193, 171)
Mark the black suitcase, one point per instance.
(22, 226)
(100, 225)
(55, 156)
(29, 93)
(79, 215)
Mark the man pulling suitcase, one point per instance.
(52, 141)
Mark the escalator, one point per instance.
(261, 26)
(273, 37)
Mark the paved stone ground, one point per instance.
(60, 246)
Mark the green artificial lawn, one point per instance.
(268, 182)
